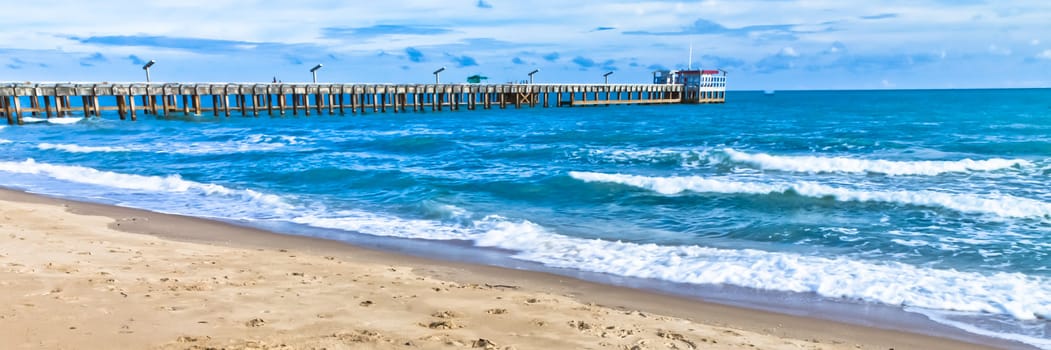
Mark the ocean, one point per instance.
(932, 202)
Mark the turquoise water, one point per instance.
(933, 201)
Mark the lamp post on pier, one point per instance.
(442, 69)
(605, 77)
(146, 67)
(314, 71)
(531, 75)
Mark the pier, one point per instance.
(130, 100)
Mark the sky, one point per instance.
(762, 45)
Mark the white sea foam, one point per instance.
(280, 139)
(1017, 295)
(249, 143)
(1020, 296)
(992, 204)
(815, 164)
(383, 225)
(946, 318)
(5, 141)
(365, 134)
(161, 184)
(911, 242)
(692, 158)
(81, 149)
(687, 158)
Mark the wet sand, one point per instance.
(89, 276)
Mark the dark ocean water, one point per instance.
(937, 202)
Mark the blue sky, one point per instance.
(774, 44)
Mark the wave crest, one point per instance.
(994, 204)
(170, 183)
(816, 164)
(1017, 295)
(249, 143)
(80, 149)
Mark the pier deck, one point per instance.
(50, 100)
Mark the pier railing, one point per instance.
(252, 99)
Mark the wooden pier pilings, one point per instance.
(279, 99)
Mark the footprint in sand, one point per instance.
(359, 336)
(446, 314)
(255, 322)
(444, 324)
(483, 343)
(680, 338)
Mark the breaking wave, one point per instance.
(992, 204)
(816, 164)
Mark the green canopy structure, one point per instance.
(476, 79)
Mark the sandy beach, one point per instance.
(87, 276)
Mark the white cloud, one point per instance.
(887, 84)
(1034, 42)
(996, 50)
(789, 51)
(1044, 55)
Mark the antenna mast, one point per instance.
(689, 66)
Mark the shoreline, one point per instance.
(816, 332)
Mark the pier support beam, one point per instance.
(47, 105)
(329, 97)
(226, 103)
(164, 103)
(342, 92)
(282, 102)
(269, 102)
(131, 101)
(215, 104)
(68, 107)
(7, 110)
(360, 101)
(255, 103)
(85, 104)
(120, 107)
(95, 100)
(146, 102)
(383, 101)
(353, 97)
(34, 103)
(17, 101)
(319, 102)
(4, 110)
(295, 104)
(58, 105)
